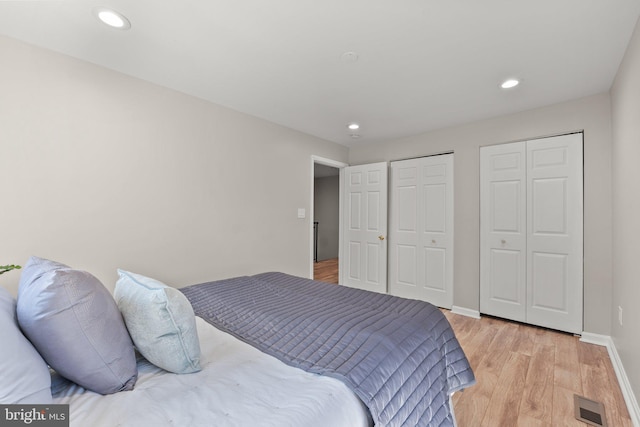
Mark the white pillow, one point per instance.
(161, 322)
(25, 375)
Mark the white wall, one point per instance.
(625, 107)
(591, 114)
(326, 207)
(100, 170)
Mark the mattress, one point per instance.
(238, 386)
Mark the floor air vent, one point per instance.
(589, 411)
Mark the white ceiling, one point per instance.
(422, 64)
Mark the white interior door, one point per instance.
(365, 231)
(421, 237)
(503, 230)
(555, 232)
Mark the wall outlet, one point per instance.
(620, 315)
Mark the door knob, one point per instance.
(433, 241)
(381, 237)
(503, 241)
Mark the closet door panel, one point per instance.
(504, 272)
(435, 269)
(404, 230)
(503, 230)
(354, 268)
(555, 230)
(406, 270)
(550, 282)
(437, 230)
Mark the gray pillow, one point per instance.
(74, 323)
(36, 267)
(25, 376)
(161, 322)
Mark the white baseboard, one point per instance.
(465, 312)
(597, 339)
(623, 380)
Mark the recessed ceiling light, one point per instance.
(112, 18)
(508, 84)
(353, 126)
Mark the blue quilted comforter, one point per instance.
(399, 356)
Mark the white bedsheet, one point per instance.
(238, 386)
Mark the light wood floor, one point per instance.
(527, 376)
(326, 271)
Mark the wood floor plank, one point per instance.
(545, 336)
(505, 401)
(563, 408)
(590, 354)
(567, 367)
(525, 339)
(537, 399)
(500, 349)
(476, 347)
(526, 421)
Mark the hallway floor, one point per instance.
(326, 271)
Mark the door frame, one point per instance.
(338, 165)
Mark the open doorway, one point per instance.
(326, 219)
(326, 234)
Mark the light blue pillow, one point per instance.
(25, 376)
(75, 325)
(161, 322)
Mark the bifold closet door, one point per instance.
(531, 232)
(421, 229)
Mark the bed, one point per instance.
(269, 350)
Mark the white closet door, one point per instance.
(503, 230)
(365, 210)
(555, 232)
(531, 232)
(421, 221)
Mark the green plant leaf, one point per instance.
(5, 268)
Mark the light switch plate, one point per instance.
(302, 213)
